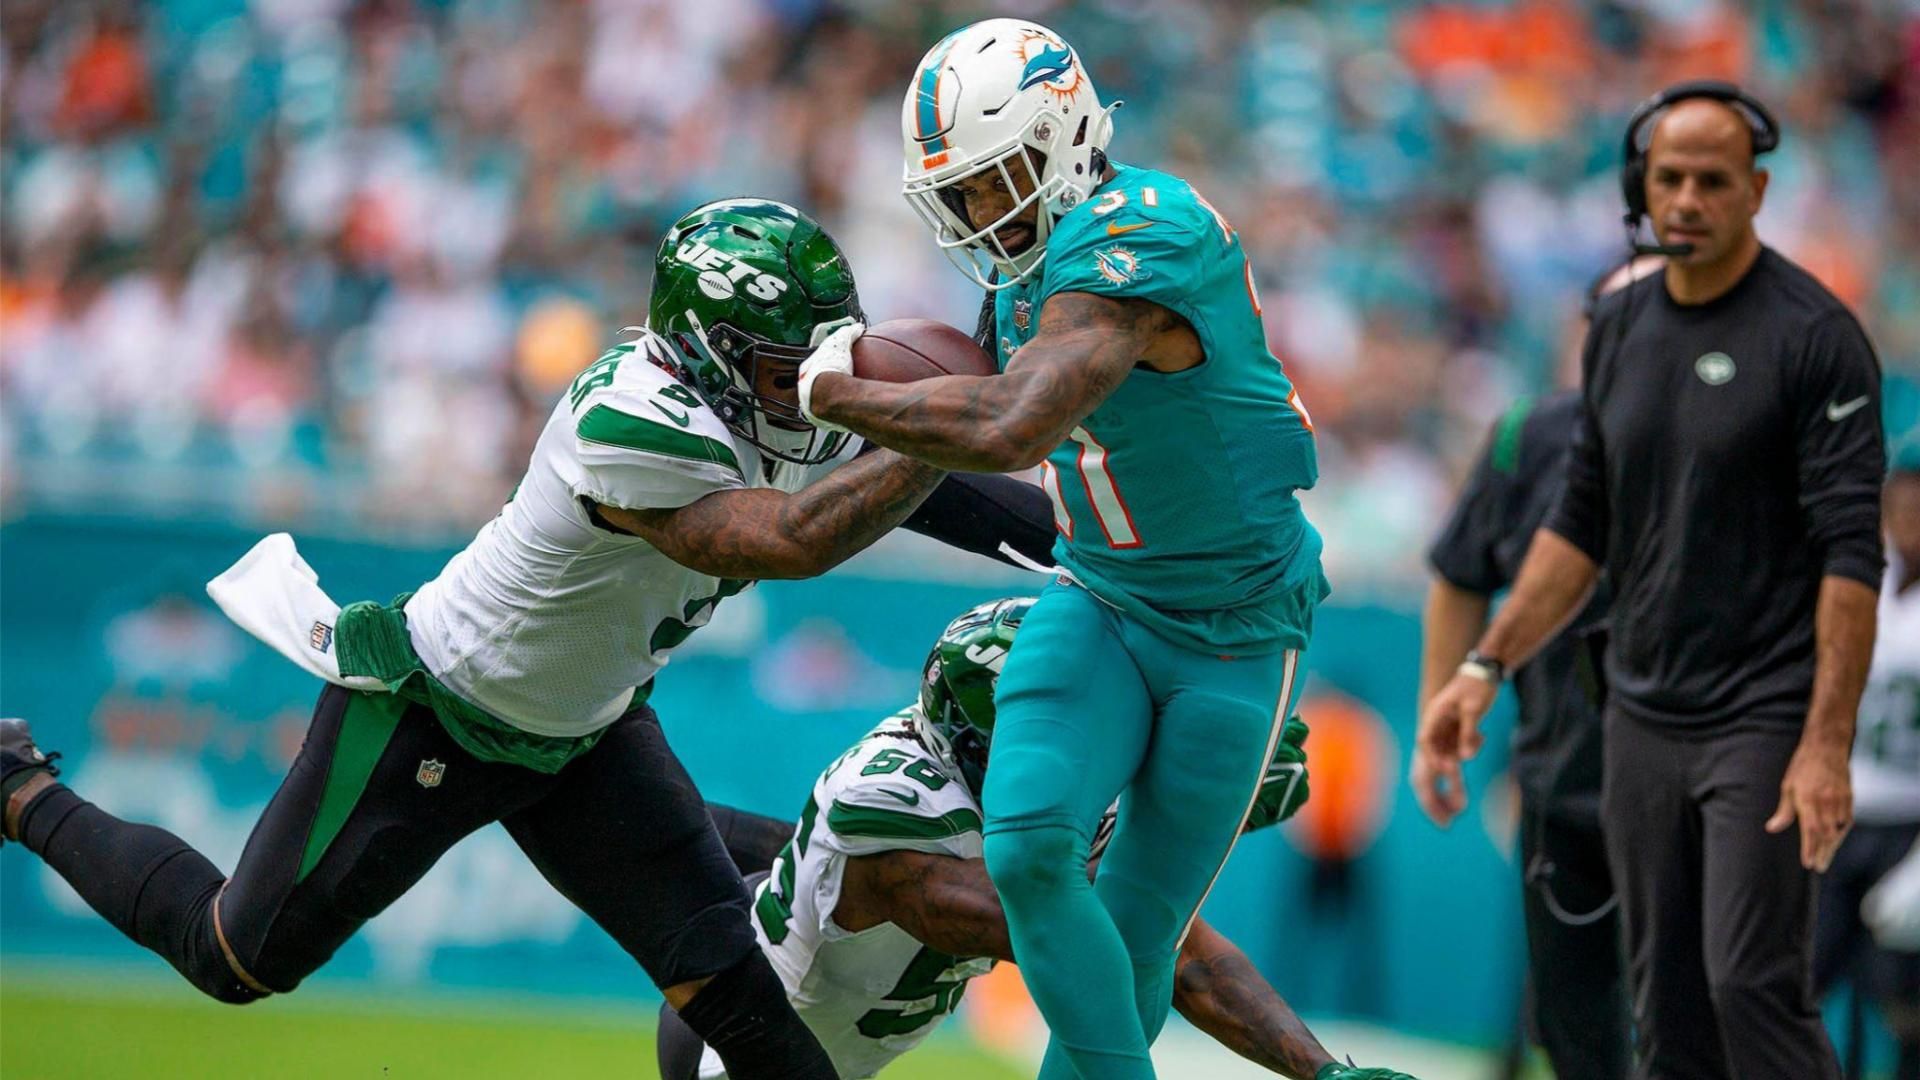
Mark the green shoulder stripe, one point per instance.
(877, 824)
(1506, 436)
(609, 426)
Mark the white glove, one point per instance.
(1892, 908)
(832, 351)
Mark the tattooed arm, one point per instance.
(942, 901)
(1085, 346)
(762, 533)
(1217, 988)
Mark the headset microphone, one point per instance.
(1633, 171)
(1640, 247)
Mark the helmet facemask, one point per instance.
(741, 289)
(753, 365)
(1035, 157)
(953, 734)
(1007, 100)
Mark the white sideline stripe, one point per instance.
(1273, 743)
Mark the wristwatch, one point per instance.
(1481, 666)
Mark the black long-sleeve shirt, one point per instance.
(1514, 485)
(1727, 457)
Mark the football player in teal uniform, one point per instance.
(1163, 660)
(876, 910)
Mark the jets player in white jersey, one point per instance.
(876, 907)
(1886, 795)
(513, 687)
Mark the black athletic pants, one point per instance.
(377, 793)
(677, 1048)
(1576, 978)
(1718, 912)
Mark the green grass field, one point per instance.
(82, 1029)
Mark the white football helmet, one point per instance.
(989, 96)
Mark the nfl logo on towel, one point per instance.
(430, 772)
(320, 637)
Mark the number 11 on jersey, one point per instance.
(1109, 509)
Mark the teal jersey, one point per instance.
(1175, 498)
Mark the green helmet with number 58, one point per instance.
(956, 690)
(739, 287)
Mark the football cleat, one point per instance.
(20, 762)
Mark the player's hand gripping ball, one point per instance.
(832, 352)
(898, 351)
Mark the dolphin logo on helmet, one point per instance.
(1007, 95)
(1048, 65)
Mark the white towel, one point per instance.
(274, 595)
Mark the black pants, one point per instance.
(1718, 912)
(1576, 977)
(1844, 949)
(377, 794)
(677, 1048)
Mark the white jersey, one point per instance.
(873, 995)
(1886, 741)
(551, 622)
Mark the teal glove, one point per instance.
(1333, 1070)
(1283, 791)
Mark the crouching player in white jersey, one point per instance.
(513, 687)
(878, 908)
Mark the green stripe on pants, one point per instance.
(366, 725)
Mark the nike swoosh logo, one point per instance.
(911, 799)
(1837, 412)
(681, 418)
(1122, 230)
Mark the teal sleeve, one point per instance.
(1128, 254)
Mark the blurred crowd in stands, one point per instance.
(333, 258)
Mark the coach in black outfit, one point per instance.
(1576, 977)
(1726, 469)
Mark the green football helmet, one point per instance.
(957, 711)
(956, 690)
(739, 287)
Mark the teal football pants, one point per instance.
(1093, 705)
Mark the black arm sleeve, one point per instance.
(1581, 515)
(978, 512)
(1463, 553)
(753, 840)
(1841, 448)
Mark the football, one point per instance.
(908, 350)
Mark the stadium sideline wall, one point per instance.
(169, 713)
